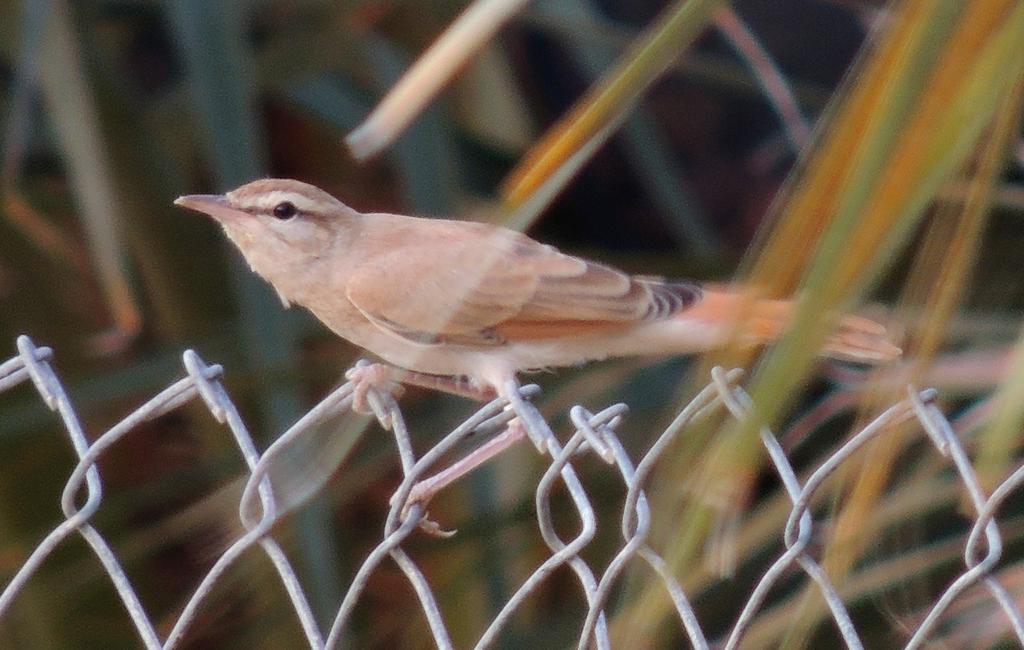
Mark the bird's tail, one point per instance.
(854, 338)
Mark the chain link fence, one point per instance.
(594, 433)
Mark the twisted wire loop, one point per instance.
(592, 433)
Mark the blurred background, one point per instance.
(112, 108)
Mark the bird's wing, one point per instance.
(461, 282)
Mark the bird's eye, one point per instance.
(285, 210)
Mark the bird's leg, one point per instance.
(381, 375)
(425, 490)
(460, 386)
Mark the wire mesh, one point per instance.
(592, 433)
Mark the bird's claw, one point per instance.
(420, 495)
(367, 377)
(432, 528)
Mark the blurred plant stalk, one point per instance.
(554, 161)
(560, 154)
(453, 50)
(58, 69)
(936, 80)
(772, 81)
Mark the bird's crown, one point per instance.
(265, 195)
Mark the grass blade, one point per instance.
(549, 166)
(470, 32)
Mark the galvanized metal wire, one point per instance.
(593, 433)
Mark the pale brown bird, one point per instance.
(446, 300)
(462, 299)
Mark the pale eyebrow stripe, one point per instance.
(266, 202)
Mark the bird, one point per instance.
(466, 306)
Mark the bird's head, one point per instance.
(278, 224)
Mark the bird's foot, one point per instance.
(372, 376)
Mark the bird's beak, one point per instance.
(215, 205)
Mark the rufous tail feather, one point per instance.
(853, 339)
